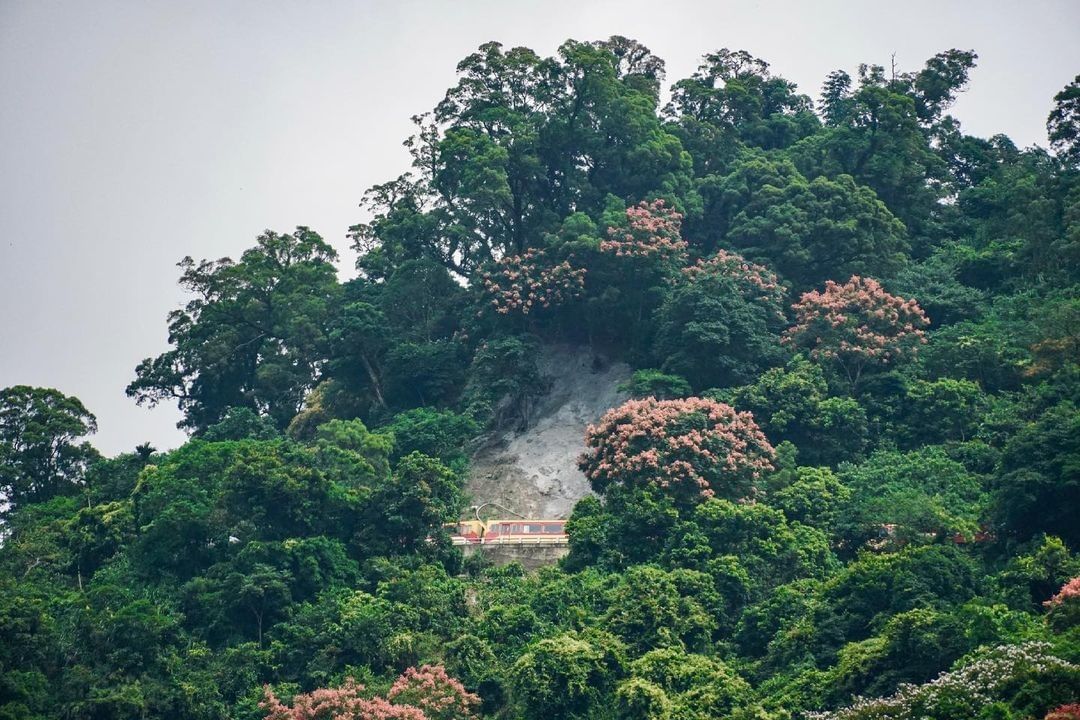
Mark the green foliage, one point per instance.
(567, 675)
(943, 410)
(1036, 572)
(699, 687)
(1038, 485)
(912, 648)
(794, 405)
(815, 497)
(923, 496)
(734, 92)
(944, 298)
(240, 424)
(440, 434)
(638, 699)
(713, 335)
(419, 497)
(502, 159)
(647, 611)
(1063, 125)
(882, 585)
(772, 550)
(423, 373)
(421, 301)
(811, 231)
(504, 382)
(657, 384)
(849, 521)
(875, 134)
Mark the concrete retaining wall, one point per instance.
(531, 557)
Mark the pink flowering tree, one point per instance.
(693, 448)
(427, 693)
(440, 696)
(344, 703)
(652, 231)
(1063, 610)
(756, 282)
(857, 325)
(529, 282)
(641, 253)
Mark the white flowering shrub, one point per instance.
(990, 676)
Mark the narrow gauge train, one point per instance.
(510, 532)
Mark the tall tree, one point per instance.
(1063, 125)
(519, 143)
(811, 231)
(880, 133)
(254, 336)
(41, 455)
(734, 96)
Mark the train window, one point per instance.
(553, 528)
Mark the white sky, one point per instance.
(134, 133)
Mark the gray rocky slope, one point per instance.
(534, 471)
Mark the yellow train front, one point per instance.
(465, 532)
(507, 532)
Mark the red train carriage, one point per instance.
(476, 532)
(525, 531)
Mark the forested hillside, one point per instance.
(846, 485)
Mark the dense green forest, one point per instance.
(846, 485)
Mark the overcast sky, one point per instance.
(134, 133)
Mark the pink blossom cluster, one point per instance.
(1069, 591)
(693, 445)
(757, 282)
(440, 696)
(424, 694)
(652, 231)
(857, 323)
(527, 282)
(1064, 712)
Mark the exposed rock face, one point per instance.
(534, 471)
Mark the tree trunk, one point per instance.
(375, 385)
